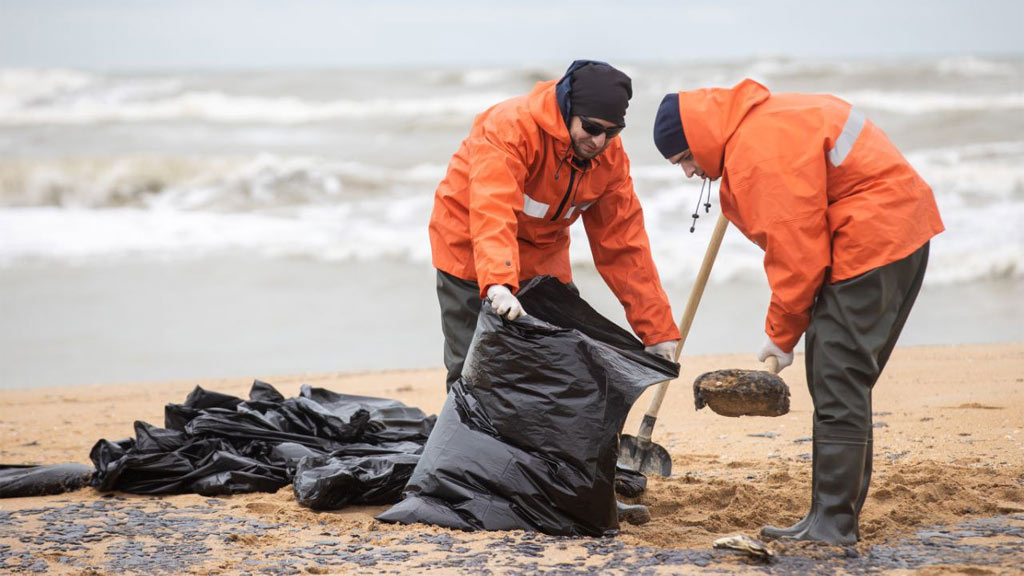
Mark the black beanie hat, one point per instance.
(600, 91)
(668, 129)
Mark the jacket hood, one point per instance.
(710, 116)
(551, 102)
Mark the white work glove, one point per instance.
(504, 303)
(770, 349)
(666, 350)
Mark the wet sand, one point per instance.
(947, 493)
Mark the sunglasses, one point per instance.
(595, 129)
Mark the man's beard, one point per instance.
(583, 154)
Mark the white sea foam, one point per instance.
(972, 66)
(980, 173)
(31, 97)
(26, 85)
(312, 208)
(223, 184)
(969, 67)
(771, 67)
(384, 228)
(130, 104)
(488, 76)
(918, 103)
(221, 107)
(982, 243)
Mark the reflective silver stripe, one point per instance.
(581, 208)
(533, 208)
(844, 143)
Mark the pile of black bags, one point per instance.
(337, 449)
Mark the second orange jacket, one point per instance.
(814, 183)
(503, 211)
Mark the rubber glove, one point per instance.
(770, 349)
(504, 303)
(666, 350)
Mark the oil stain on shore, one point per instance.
(119, 535)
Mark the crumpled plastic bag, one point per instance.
(18, 481)
(528, 436)
(329, 483)
(216, 444)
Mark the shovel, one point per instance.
(638, 452)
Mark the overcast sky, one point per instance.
(245, 34)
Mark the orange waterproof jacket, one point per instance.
(503, 211)
(811, 181)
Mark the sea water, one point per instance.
(189, 225)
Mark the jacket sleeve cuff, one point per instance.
(490, 280)
(658, 338)
(785, 330)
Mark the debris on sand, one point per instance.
(742, 393)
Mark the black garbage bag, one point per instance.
(330, 483)
(177, 415)
(527, 438)
(398, 422)
(217, 444)
(207, 466)
(17, 481)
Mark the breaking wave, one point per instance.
(918, 103)
(226, 184)
(30, 97)
(226, 108)
(280, 206)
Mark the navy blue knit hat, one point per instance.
(668, 130)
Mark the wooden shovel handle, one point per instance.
(647, 427)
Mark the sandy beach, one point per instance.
(947, 494)
(204, 194)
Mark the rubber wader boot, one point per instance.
(837, 475)
(635, 514)
(773, 532)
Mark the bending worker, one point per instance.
(845, 224)
(530, 167)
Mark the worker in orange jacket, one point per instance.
(532, 166)
(845, 223)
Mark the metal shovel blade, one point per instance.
(646, 457)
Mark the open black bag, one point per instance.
(527, 438)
